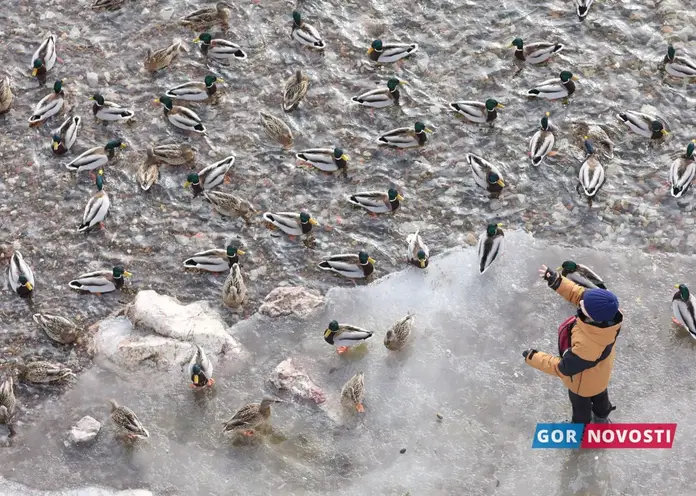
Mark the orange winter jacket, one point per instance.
(585, 368)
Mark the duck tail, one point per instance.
(557, 48)
(533, 92)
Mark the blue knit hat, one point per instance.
(600, 304)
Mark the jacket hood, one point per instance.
(600, 334)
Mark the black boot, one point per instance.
(602, 420)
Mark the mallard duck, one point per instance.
(59, 329)
(181, 117)
(304, 33)
(109, 111)
(96, 157)
(195, 91)
(405, 137)
(214, 260)
(679, 66)
(250, 417)
(294, 90)
(581, 274)
(292, 223)
(159, 59)
(8, 402)
(276, 129)
(41, 372)
(172, 154)
(234, 290)
(324, 159)
(211, 176)
(101, 281)
(398, 334)
(418, 252)
(643, 124)
(377, 202)
(682, 172)
(553, 89)
(107, 4)
(49, 105)
(344, 336)
(221, 51)
(127, 422)
(381, 97)
(208, 15)
(97, 207)
(200, 369)
(230, 205)
(476, 111)
(535, 53)
(5, 95)
(147, 173)
(348, 265)
(683, 308)
(583, 8)
(44, 59)
(542, 142)
(353, 392)
(486, 175)
(491, 245)
(591, 172)
(65, 136)
(385, 53)
(20, 276)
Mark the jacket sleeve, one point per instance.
(568, 290)
(567, 365)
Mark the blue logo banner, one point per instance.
(558, 436)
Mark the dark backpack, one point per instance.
(564, 334)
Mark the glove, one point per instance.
(528, 354)
(550, 276)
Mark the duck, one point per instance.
(377, 202)
(5, 95)
(385, 53)
(66, 135)
(683, 309)
(553, 89)
(42, 372)
(127, 422)
(101, 281)
(181, 117)
(348, 265)
(679, 66)
(162, 58)
(397, 336)
(147, 173)
(406, 137)
(8, 402)
(343, 336)
(195, 91)
(486, 175)
(353, 392)
(96, 157)
(682, 172)
(49, 105)
(591, 172)
(229, 204)
(234, 289)
(59, 329)
(542, 142)
(109, 111)
(491, 244)
(214, 260)
(381, 97)
(208, 15)
(219, 50)
(324, 159)
(210, 176)
(581, 274)
(44, 59)
(97, 207)
(20, 276)
(172, 154)
(477, 112)
(418, 252)
(294, 90)
(645, 125)
(535, 53)
(250, 417)
(305, 34)
(109, 5)
(276, 129)
(200, 369)
(583, 8)
(600, 139)
(291, 223)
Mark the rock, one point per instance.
(85, 430)
(92, 79)
(75, 32)
(286, 377)
(287, 300)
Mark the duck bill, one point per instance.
(240, 252)
(500, 106)
(676, 285)
(197, 40)
(499, 224)
(127, 274)
(195, 379)
(399, 197)
(370, 51)
(313, 222)
(187, 184)
(559, 269)
(428, 130)
(575, 78)
(122, 146)
(55, 145)
(29, 286)
(371, 260)
(664, 132)
(345, 157)
(500, 183)
(156, 100)
(34, 72)
(219, 80)
(422, 264)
